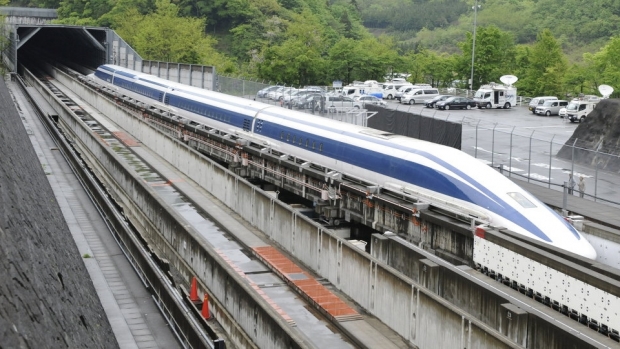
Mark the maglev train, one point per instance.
(441, 175)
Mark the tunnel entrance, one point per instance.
(77, 47)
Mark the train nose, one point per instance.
(581, 247)
(587, 250)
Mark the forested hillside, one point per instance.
(578, 25)
(554, 47)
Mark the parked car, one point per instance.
(310, 101)
(301, 95)
(456, 103)
(316, 89)
(408, 88)
(340, 103)
(551, 107)
(263, 93)
(562, 113)
(431, 102)
(539, 101)
(273, 93)
(287, 98)
(390, 88)
(279, 94)
(419, 95)
(368, 99)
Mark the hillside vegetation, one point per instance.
(555, 48)
(441, 24)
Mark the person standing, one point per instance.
(571, 184)
(581, 186)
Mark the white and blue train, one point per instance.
(440, 174)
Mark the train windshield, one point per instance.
(522, 200)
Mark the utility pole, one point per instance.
(473, 47)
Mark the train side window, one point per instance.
(321, 147)
(281, 134)
(307, 142)
(288, 137)
(301, 140)
(313, 145)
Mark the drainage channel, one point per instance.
(297, 312)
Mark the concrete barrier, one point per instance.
(489, 305)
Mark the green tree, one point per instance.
(82, 12)
(299, 58)
(494, 56)
(603, 67)
(575, 79)
(164, 36)
(344, 60)
(547, 65)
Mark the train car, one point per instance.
(437, 174)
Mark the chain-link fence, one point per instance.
(530, 155)
(343, 111)
(544, 159)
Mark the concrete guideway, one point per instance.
(284, 303)
(344, 266)
(410, 318)
(134, 318)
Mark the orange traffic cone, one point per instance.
(193, 293)
(205, 307)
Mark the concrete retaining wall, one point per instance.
(489, 305)
(189, 74)
(417, 314)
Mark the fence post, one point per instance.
(564, 198)
(572, 166)
(550, 156)
(595, 180)
(493, 145)
(596, 171)
(510, 153)
(476, 147)
(529, 160)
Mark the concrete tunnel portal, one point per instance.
(74, 46)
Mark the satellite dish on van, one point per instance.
(605, 90)
(508, 79)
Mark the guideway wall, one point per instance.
(415, 312)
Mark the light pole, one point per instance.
(473, 47)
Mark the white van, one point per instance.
(390, 88)
(420, 95)
(407, 88)
(356, 91)
(578, 110)
(539, 101)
